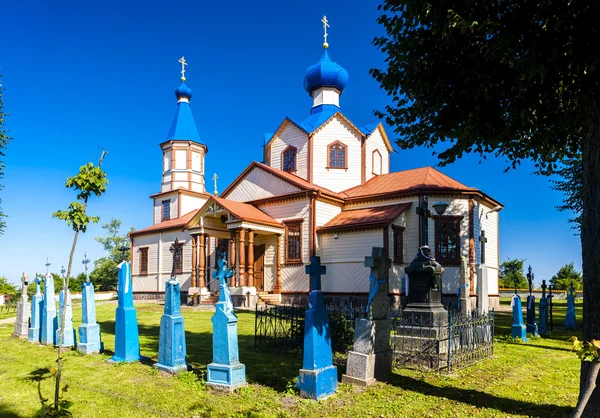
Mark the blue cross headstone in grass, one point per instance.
(543, 320)
(318, 376)
(225, 372)
(532, 327)
(49, 320)
(37, 304)
(570, 318)
(172, 354)
(518, 329)
(69, 336)
(89, 330)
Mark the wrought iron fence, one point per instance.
(470, 339)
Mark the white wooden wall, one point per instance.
(189, 203)
(291, 135)
(335, 179)
(375, 142)
(259, 184)
(484, 220)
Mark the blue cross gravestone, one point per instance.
(570, 320)
(69, 337)
(371, 357)
(171, 347)
(127, 341)
(21, 327)
(37, 304)
(318, 376)
(519, 330)
(543, 320)
(532, 327)
(49, 320)
(89, 331)
(225, 372)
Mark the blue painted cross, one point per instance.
(315, 270)
(223, 273)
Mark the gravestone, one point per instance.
(543, 320)
(37, 305)
(318, 376)
(483, 301)
(371, 357)
(570, 320)
(464, 300)
(49, 320)
(69, 337)
(519, 330)
(171, 347)
(23, 310)
(90, 341)
(127, 341)
(225, 372)
(532, 327)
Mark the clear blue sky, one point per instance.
(82, 76)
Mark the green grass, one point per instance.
(7, 312)
(538, 379)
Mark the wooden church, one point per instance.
(325, 188)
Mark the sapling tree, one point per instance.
(90, 180)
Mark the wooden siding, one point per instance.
(259, 184)
(484, 220)
(325, 212)
(349, 246)
(375, 142)
(190, 203)
(294, 136)
(349, 277)
(336, 179)
(158, 207)
(294, 279)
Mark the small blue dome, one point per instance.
(183, 91)
(325, 73)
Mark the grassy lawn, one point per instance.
(7, 312)
(537, 379)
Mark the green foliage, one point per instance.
(105, 274)
(6, 287)
(4, 140)
(586, 351)
(90, 180)
(76, 217)
(567, 274)
(509, 78)
(114, 240)
(511, 269)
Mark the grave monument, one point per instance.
(69, 337)
(90, 341)
(371, 356)
(543, 320)
(519, 330)
(225, 372)
(318, 376)
(462, 294)
(532, 327)
(127, 342)
(49, 320)
(37, 305)
(23, 310)
(171, 346)
(570, 322)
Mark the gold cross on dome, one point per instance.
(325, 26)
(215, 177)
(183, 64)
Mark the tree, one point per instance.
(518, 79)
(105, 274)
(4, 140)
(6, 287)
(567, 274)
(90, 180)
(511, 269)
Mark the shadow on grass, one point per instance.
(6, 412)
(480, 399)
(543, 347)
(503, 324)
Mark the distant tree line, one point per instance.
(514, 268)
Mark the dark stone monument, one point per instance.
(532, 327)
(543, 322)
(570, 322)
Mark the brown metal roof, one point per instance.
(378, 216)
(170, 224)
(245, 212)
(420, 178)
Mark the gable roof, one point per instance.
(170, 224)
(240, 210)
(379, 216)
(284, 175)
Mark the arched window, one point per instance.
(377, 161)
(288, 159)
(337, 155)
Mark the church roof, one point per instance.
(325, 73)
(183, 126)
(375, 217)
(170, 224)
(245, 211)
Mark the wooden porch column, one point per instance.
(202, 239)
(194, 261)
(242, 242)
(232, 258)
(277, 287)
(250, 269)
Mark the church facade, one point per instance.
(324, 188)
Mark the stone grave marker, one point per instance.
(23, 310)
(69, 337)
(37, 304)
(127, 341)
(543, 305)
(532, 327)
(49, 320)
(518, 329)
(570, 319)
(90, 341)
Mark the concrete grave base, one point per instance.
(318, 384)
(365, 369)
(172, 370)
(225, 377)
(89, 339)
(21, 328)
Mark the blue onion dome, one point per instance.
(325, 73)
(183, 91)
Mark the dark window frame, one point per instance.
(293, 223)
(448, 220)
(398, 235)
(162, 210)
(344, 148)
(144, 251)
(179, 269)
(294, 168)
(376, 151)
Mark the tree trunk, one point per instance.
(62, 321)
(590, 242)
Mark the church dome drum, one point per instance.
(325, 73)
